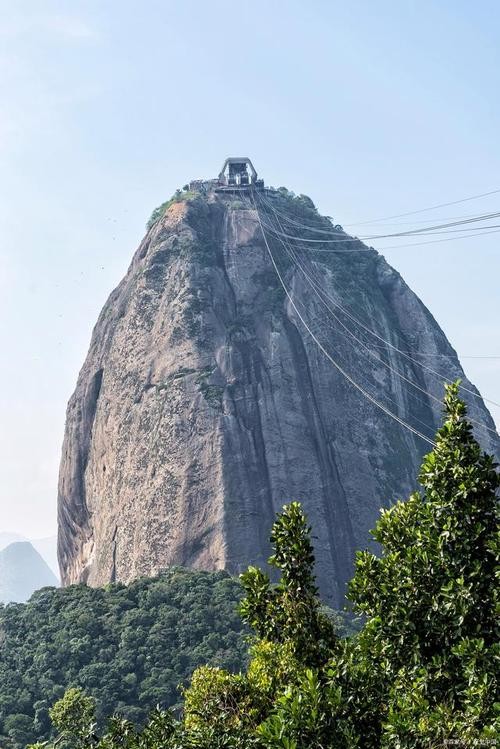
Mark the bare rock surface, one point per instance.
(204, 404)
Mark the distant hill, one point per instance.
(46, 546)
(22, 571)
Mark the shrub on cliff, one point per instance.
(179, 195)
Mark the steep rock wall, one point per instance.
(204, 405)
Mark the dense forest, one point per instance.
(128, 646)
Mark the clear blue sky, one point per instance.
(106, 108)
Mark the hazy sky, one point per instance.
(106, 108)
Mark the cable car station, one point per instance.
(238, 173)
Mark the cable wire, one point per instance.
(410, 233)
(392, 346)
(317, 288)
(430, 208)
(330, 358)
(474, 218)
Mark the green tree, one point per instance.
(291, 611)
(422, 670)
(17, 728)
(293, 640)
(431, 598)
(74, 717)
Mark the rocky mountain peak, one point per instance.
(204, 404)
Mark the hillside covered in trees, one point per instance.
(128, 646)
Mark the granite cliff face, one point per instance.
(204, 405)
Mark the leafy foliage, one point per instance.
(431, 598)
(127, 646)
(158, 212)
(291, 611)
(420, 673)
(422, 670)
(74, 716)
(292, 633)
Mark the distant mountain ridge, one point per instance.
(46, 547)
(22, 571)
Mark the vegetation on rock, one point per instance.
(178, 196)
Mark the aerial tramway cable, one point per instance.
(392, 346)
(394, 246)
(437, 241)
(489, 229)
(348, 335)
(424, 210)
(345, 374)
(424, 231)
(471, 219)
(317, 288)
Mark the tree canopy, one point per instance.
(129, 647)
